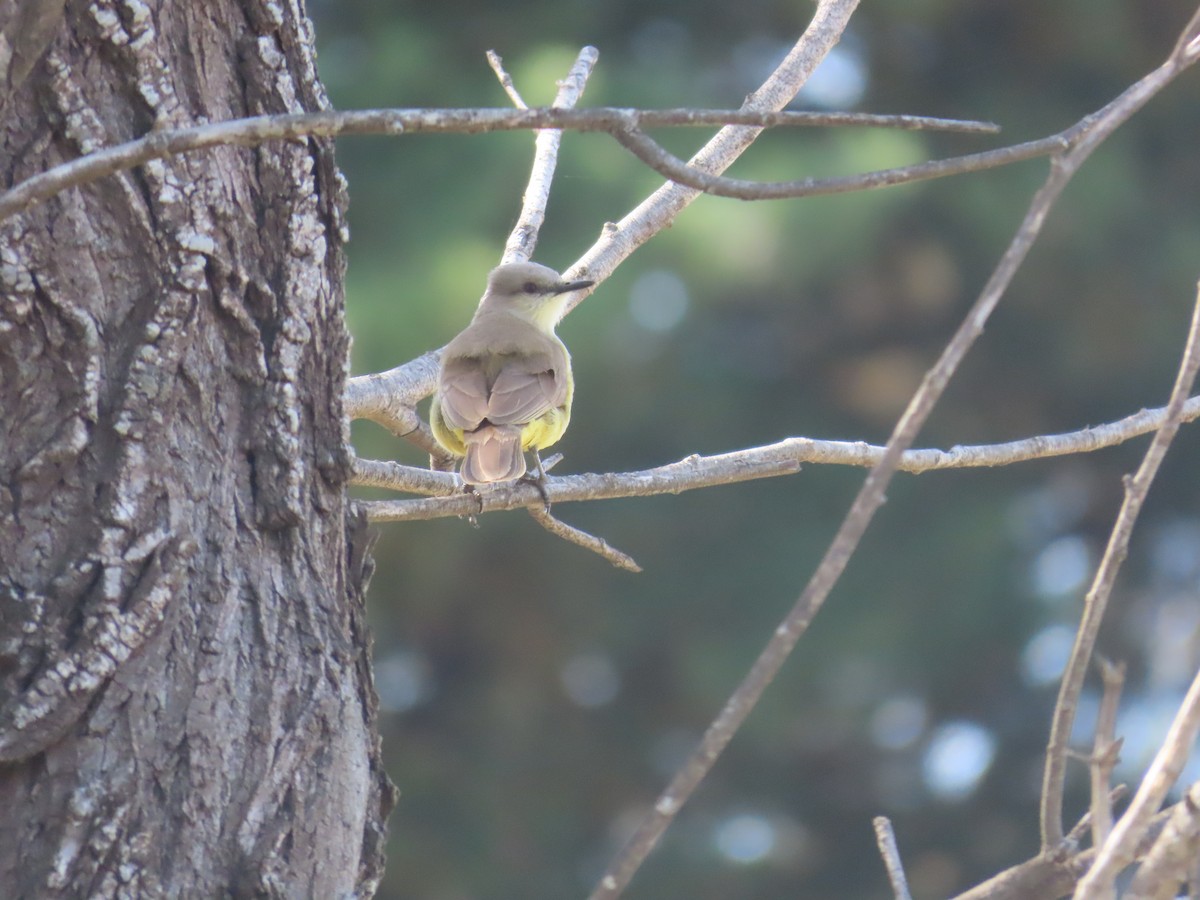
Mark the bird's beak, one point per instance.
(567, 286)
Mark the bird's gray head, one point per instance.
(530, 290)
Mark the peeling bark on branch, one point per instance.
(185, 703)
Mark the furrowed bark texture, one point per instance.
(185, 703)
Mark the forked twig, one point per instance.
(583, 539)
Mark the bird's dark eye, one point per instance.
(530, 287)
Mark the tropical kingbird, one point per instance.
(505, 383)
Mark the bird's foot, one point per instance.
(538, 477)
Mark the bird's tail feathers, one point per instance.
(493, 454)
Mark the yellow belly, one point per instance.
(451, 439)
(543, 432)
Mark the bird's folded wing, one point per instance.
(519, 395)
(464, 394)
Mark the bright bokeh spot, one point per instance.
(1045, 655)
(839, 82)
(1062, 567)
(658, 300)
(745, 838)
(958, 756)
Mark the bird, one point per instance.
(505, 384)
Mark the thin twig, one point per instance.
(1121, 847)
(885, 837)
(256, 130)
(782, 458)
(1172, 859)
(1188, 37)
(505, 79)
(583, 539)
(666, 164)
(523, 238)
(1106, 748)
(872, 494)
(1096, 600)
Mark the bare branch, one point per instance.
(885, 837)
(255, 130)
(588, 541)
(394, 394)
(772, 460)
(1096, 600)
(669, 479)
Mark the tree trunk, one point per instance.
(186, 707)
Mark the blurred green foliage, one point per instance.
(538, 698)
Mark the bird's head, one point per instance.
(532, 291)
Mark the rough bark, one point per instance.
(186, 707)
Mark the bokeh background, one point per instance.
(536, 700)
